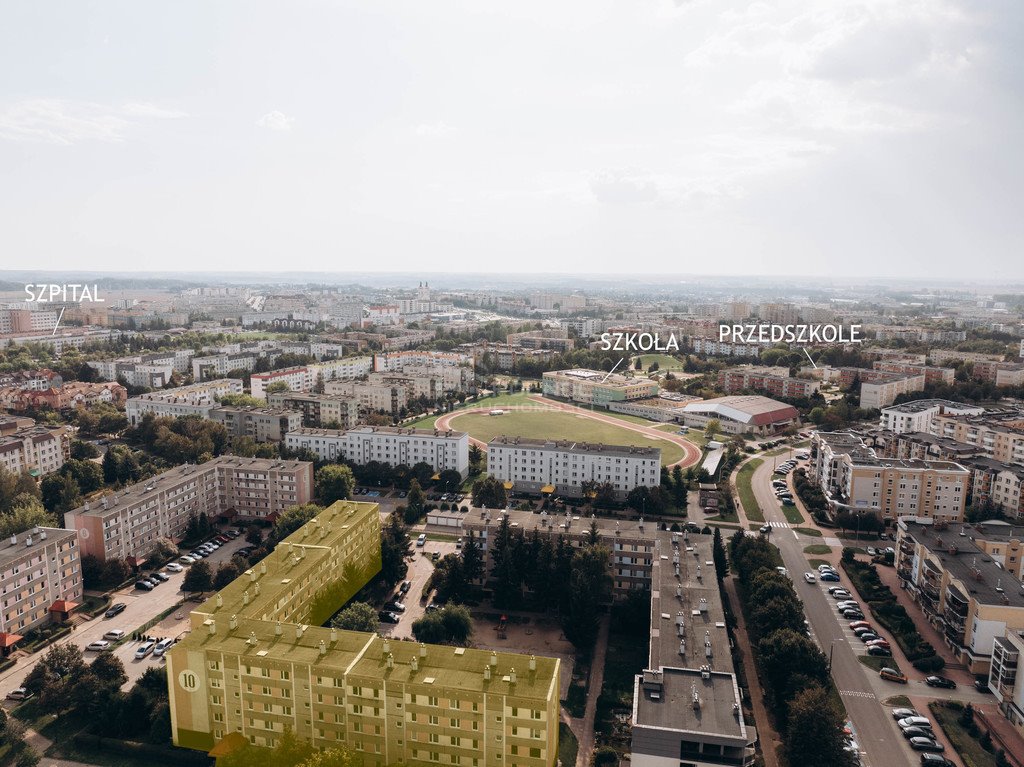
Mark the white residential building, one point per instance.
(388, 444)
(38, 450)
(540, 466)
(195, 399)
(919, 415)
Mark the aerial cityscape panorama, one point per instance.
(538, 385)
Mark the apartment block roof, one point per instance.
(579, 448)
(16, 547)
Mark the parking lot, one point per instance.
(141, 607)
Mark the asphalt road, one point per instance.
(141, 607)
(876, 733)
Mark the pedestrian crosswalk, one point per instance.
(782, 525)
(857, 694)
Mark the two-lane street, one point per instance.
(877, 734)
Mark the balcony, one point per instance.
(956, 602)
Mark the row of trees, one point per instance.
(793, 671)
(188, 439)
(64, 683)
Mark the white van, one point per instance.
(162, 646)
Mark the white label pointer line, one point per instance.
(58, 321)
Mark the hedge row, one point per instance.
(892, 616)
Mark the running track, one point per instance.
(691, 453)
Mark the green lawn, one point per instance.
(876, 663)
(519, 398)
(815, 562)
(724, 525)
(811, 531)
(967, 748)
(550, 424)
(567, 745)
(817, 548)
(746, 492)
(665, 362)
(897, 701)
(793, 515)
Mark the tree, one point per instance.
(489, 492)
(198, 578)
(449, 579)
(163, 550)
(789, 661)
(88, 475)
(451, 624)
(472, 560)
(814, 735)
(109, 669)
(60, 493)
(254, 535)
(358, 616)
(332, 757)
(476, 458)
(334, 482)
(55, 676)
(26, 514)
(276, 387)
(414, 502)
(449, 480)
(590, 587)
(718, 552)
(394, 548)
(293, 518)
(712, 428)
(83, 450)
(226, 573)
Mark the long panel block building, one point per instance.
(127, 523)
(257, 662)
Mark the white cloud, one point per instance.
(64, 122)
(438, 129)
(146, 109)
(276, 121)
(623, 187)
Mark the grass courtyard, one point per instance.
(550, 424)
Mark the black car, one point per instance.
(404, 588)
(144, 585)
(926, 744)
(918, 732)
(981, 685)
(387, 617)
(936, 760)
(115, 610)
(853, 615)
(940, 681)
(881, 652)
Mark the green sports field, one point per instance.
(550, 424)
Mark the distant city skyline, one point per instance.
(843, 141)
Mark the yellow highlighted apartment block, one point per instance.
(257, 661)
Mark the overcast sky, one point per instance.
(694, 136)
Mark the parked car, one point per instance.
(174, 567)
(861, 630)
(144, 649)
(903, 713)
(914, 721)
(829, 577)
(404, 588)
(852, 614)
(872, 551)
(387, 617)
(926, 744)
(395, 606)
(187, 559)
(19, 693)
(940, 681)
(935, 760)
(882, 652)
(233, 533)
(160, 576)
(847, 604)
(421, 540)
(98, 646)
(144, 585)
(114, 610)
(222, 539)
(918, 732)
(860, 624)
(981, 685)
(839, 593)
(162, 646)
(879, 643)
(892, 675)
(809, 577)
(865, 638)
(114, 635)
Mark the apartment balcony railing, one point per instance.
(956, 602)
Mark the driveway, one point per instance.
(140, 608)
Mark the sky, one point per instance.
(843, 138)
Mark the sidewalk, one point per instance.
(768, 739)
(586, 737)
